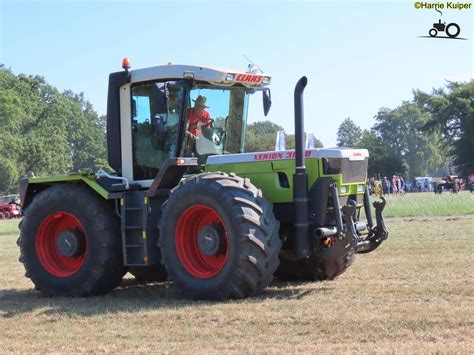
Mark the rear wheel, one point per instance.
(70, 243)
(219, 237)
(312, 268)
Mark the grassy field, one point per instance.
(429, 204)
(414, 294)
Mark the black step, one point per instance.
(135, 248)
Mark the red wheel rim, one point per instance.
(193, 260)
(46, 248)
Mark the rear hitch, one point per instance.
(345, 233)
(348, 211)
(342, 237)
(378, 233)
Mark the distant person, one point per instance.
(394, 185)
(402, 185)
(386, 186)
(372, 185)
(470, 181)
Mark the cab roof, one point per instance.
(213, 75)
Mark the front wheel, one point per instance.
(219, 237)
(433, 32)
(70, 242)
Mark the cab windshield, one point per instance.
(215, 121)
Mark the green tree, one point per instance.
(45, 131)
(348, 134)
(264, 127)
(261, 137)
(383, 159)
(290, 141)
(8, 175)
(451, 110)
(402, 130)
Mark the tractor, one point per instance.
(450, 182)
(442, 27)
(185, 202)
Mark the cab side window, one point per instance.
(155, 125)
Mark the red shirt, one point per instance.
(198, 121)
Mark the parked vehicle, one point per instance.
(10, 210)
(450, 182)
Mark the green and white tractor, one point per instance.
(186, 202)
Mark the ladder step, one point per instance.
(133, 227)
(135, 246)
(133, 208)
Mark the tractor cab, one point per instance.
(177, 111)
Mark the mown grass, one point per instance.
(428, 204)
(413, 294)
(8, 227)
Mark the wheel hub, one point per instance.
(211, 240)
(70, 243)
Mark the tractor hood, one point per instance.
(319, 153)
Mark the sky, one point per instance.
(358, 56)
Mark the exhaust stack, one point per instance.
(300, 179)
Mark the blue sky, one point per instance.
(358, 56)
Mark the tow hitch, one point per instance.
(348, 234)
(377, 234)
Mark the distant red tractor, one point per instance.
(450, 182)
(9, 210)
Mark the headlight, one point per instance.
(266, 80)
(360, 188)
(343, 189)
(230, 77)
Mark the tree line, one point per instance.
(45, 132)
(431, 134)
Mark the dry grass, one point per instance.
(414, 294)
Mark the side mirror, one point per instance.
(267, 101)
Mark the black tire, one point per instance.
(312, 268)
(433, 32)
(455, 34)
(145, 274)
(102, 265)
(252, 242)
